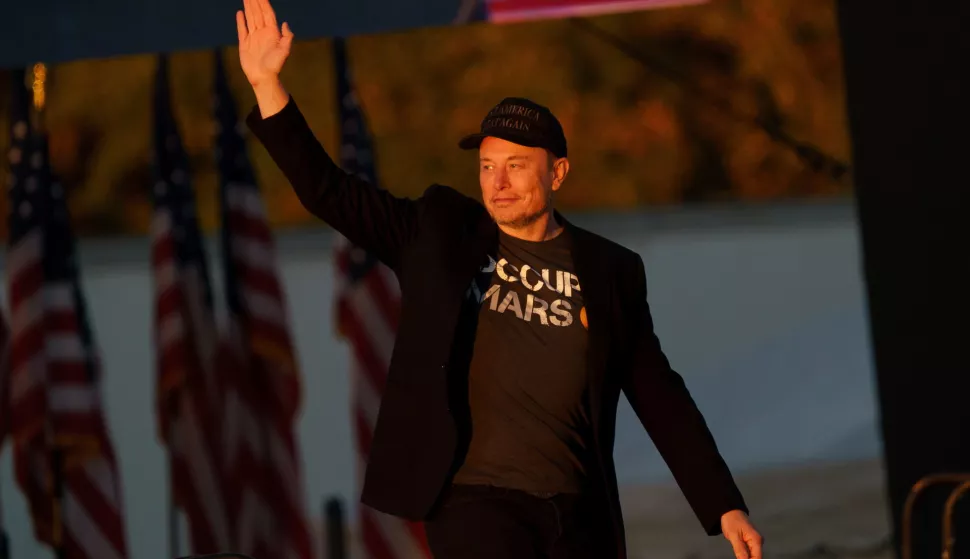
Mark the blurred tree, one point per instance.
(639, 134)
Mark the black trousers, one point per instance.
(479, 522)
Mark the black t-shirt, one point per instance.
(527, 379)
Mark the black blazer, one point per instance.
(435, 245)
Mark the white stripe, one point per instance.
(59, 297)
(64, 347)
(85, 532)
(25, 253)
(247, 201)
(379, 333)
(161, 224)
(73, 398)
(254, 253)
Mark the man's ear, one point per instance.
(560, 168)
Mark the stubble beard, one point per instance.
(523, 221)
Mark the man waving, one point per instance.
(518, 331)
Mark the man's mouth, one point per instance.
(504, 200)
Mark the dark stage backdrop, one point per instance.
(906, 66)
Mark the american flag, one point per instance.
(189, 383)
(4, 382)
(263, 396)
(368, 301)
(63, 457)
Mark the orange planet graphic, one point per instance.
(582, 318)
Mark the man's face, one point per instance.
(518, 181)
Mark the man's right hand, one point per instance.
(263, 48)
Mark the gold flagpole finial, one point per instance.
(40, 79)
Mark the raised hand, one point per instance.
(263, 45)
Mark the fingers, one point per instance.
(254, 17)
(755, 542)
(269, 16)
(241, 29)
(287, 40)
(740, 549)
(739, 546)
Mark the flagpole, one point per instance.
(173, 527)
(5, 422)
(4, 539)
(58, 504)
(38, 87)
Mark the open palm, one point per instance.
(263, 46)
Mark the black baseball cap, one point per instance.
(522, 122)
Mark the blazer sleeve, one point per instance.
(667, 411)
(367, 215)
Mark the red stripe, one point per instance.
(62, 320)
(259, 281)
(202, 535)
(68, 372)
(372, 367)
(363, 431)
(269, 332)
(26, 343)
(101, 511)
(25, 283)
(248, 227)
(386, 300)
(381, 293)
(417, 533)
(181, 387)
(269, 394)
(375, 544)
(163, 251)
(71, 426)
(376, 288)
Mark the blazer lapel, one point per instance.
(593, 271)
(480, 236)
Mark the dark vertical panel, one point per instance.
(906, 64)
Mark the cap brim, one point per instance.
(473, 141)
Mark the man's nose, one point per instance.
(502, 180)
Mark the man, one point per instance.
(518, 331)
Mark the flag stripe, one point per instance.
(264, 383)
(52, 377)
(368, 307)
(188, 389)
